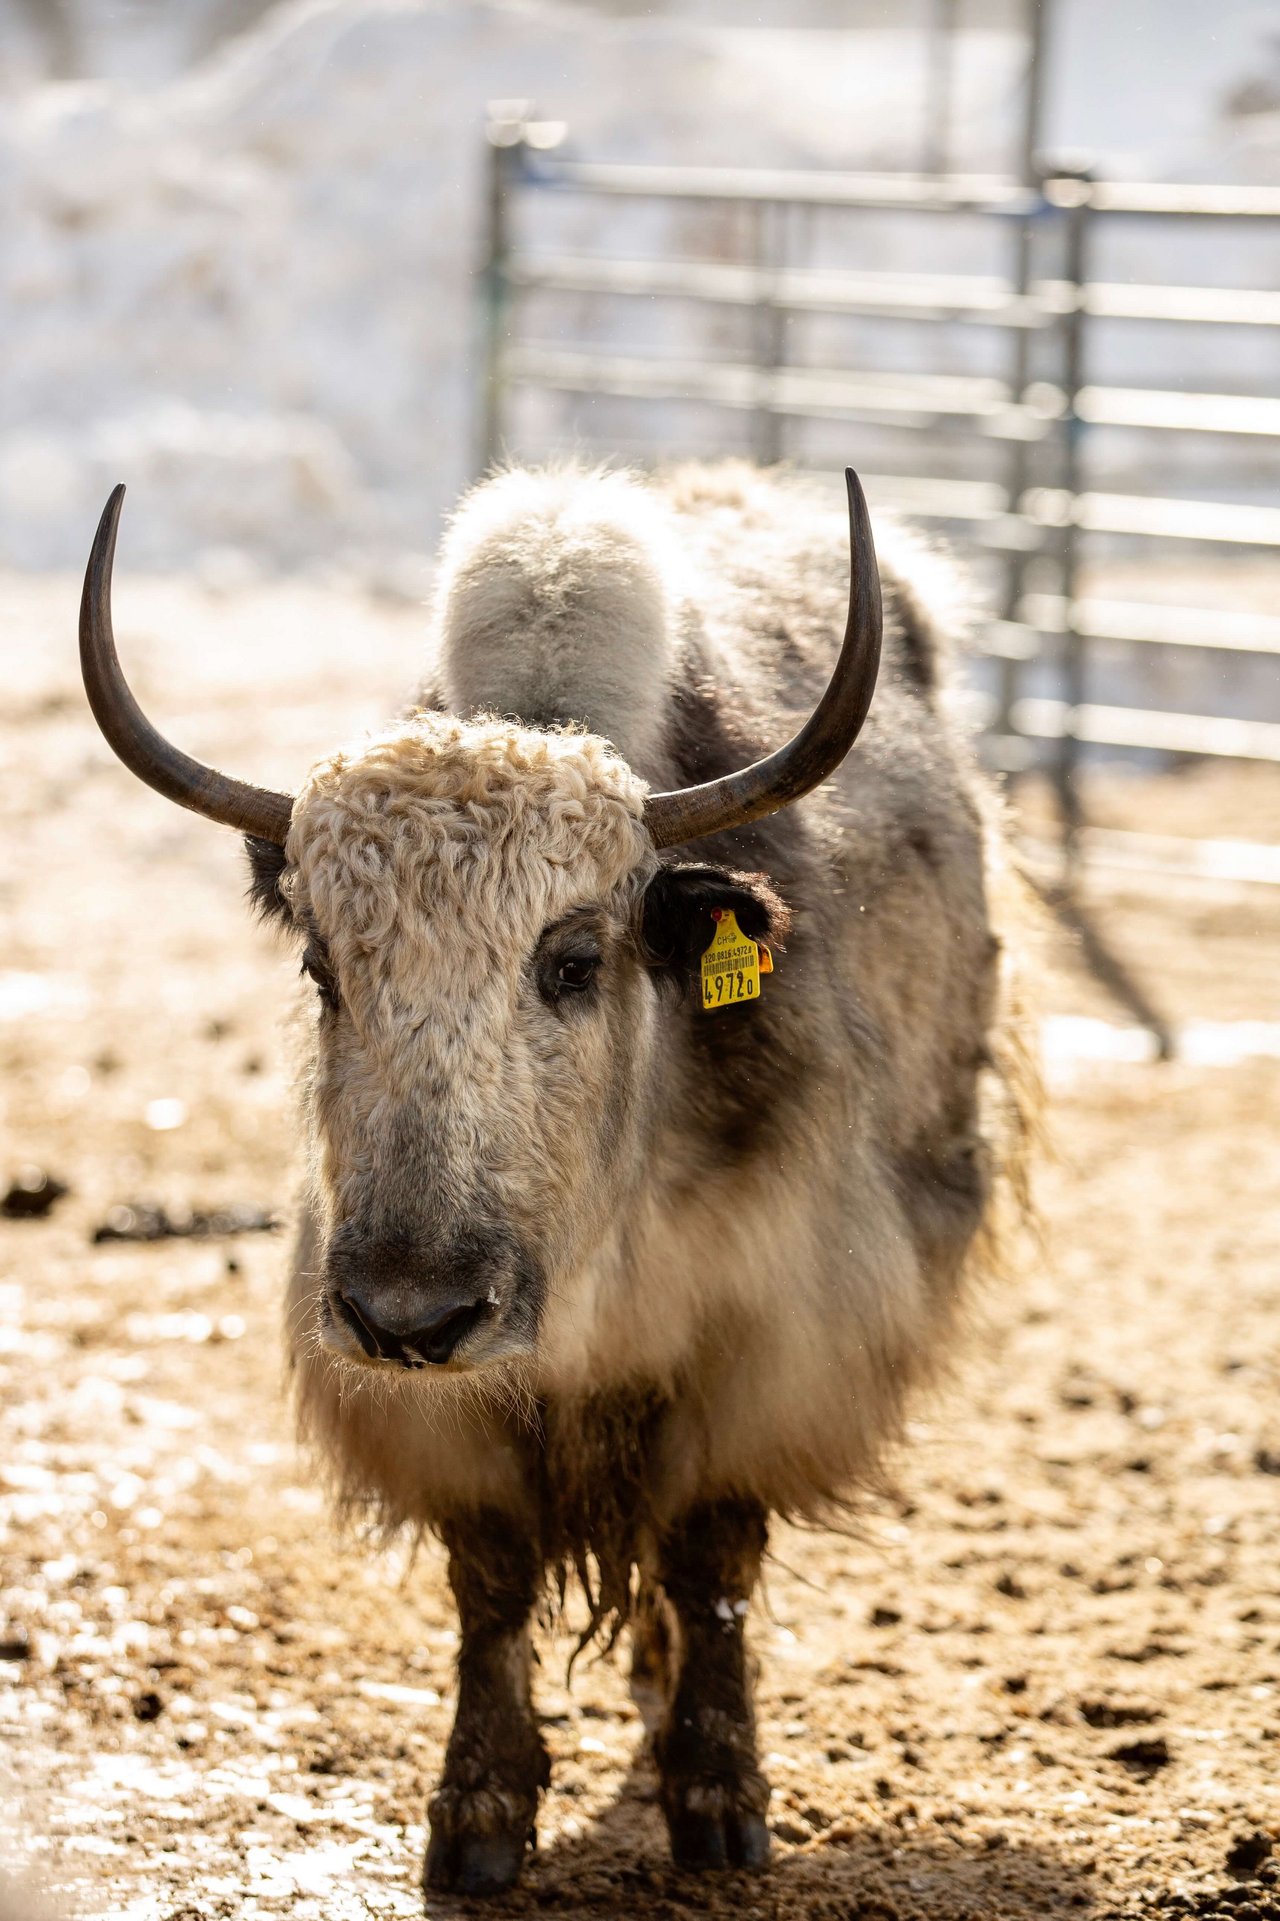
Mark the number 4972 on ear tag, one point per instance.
(732, 965)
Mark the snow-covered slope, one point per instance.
(248, 290)
(249, 293)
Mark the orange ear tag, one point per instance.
(731, 966)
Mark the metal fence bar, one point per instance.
(1196, 306)
(986, 301)
(1153, 409)
(1150, 623)
(793, 390)
(980, 300)
(1184, 202)
(1213, 522)
(768, 384)
(909, 193)
(1151, 729)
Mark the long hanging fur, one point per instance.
(754, 1233)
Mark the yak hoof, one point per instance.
(473, 1863)
(716, 1824)
(478, 1841)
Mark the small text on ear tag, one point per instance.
(731, 965)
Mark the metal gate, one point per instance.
(1034, 506)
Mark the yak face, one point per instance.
(483, 916)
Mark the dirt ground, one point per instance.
(1042, 1682)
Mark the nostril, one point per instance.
(431, 1342)
(361, 1328)
(439, 1338)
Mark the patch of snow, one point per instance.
(1070, 1041)
(403, 1696)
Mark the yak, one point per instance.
(657, 1103)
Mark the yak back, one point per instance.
(694, 621)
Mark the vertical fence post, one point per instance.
(504, 135)
(939, 103)
(1018, 464)
(1072, 190)
(769, 325)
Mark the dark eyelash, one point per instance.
(316, 966)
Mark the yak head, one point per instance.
(494, 947)
(493, 938)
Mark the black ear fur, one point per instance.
(677, 923)
(266, 869)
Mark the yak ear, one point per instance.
(266, 870)
(680, 902)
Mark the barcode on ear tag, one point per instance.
(730, 966)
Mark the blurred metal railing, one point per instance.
(1021, 517)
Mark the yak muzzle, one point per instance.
(416, 1305)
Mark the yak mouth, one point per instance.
(437, 1348)
(388, 1303)
(487, 1342)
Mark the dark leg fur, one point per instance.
(652, 1631)
(482, 1814)
(713, 1793)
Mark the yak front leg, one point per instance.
(713, 1793)
(482, 1814)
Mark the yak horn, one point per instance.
(254, 810)
(826, 737)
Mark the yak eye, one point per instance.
(577, 971)
(566, 962)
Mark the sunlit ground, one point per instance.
(1042, 1682)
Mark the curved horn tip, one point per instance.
(103, 551)
(95, 600)
(111, 512)
(145, 752)
(859, 512)
(733, 800)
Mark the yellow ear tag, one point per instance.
(731, 965)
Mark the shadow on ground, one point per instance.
(860, 1869)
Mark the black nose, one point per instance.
(431, 1339)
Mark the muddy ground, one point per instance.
(1042, 1682)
